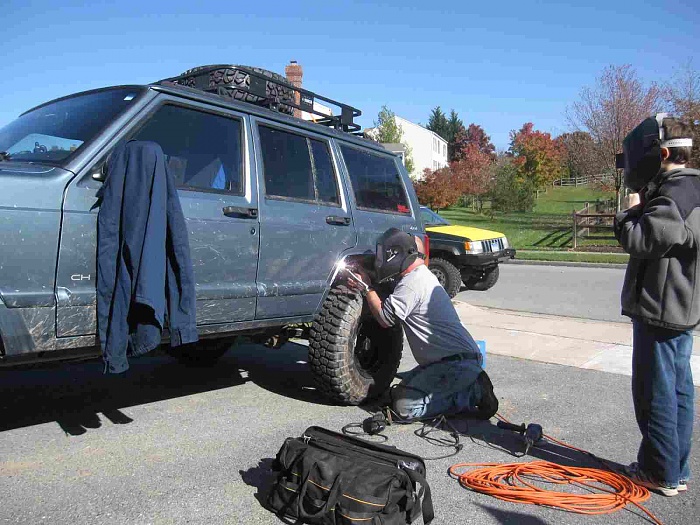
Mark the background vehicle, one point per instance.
(272, 203)
(462, 254)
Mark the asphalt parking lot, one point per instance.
(169, 445)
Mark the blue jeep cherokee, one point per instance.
(273, 203)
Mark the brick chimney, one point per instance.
(294, 74)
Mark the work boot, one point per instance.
(488, 405)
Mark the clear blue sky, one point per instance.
(498, 64)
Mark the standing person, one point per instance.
(449, 377)
(661, 232)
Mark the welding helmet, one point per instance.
(641, 151)
(396, 251)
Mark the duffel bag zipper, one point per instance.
(345, 443)
(336, 449)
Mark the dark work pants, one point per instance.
(663, 394)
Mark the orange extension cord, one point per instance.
(509, 482)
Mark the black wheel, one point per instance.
(352, 358)
(276, 88)
(482, 282)
(447, 275)
(202, 353)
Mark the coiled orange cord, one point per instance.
(513, 482)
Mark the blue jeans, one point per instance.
(443, 387)
(663, 394)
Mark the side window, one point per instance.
(375, 181)
(203, 150)
(326, 181)
(297, 167)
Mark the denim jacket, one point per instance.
(144, 268)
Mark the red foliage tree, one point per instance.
(537, 156)
(438, 189)
(612, 108)
(471, 172)
(476, 135)
(579, 154)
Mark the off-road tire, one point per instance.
(352, 358)
(228, 78)
(447, 275)
(485, 282)
(202, 353)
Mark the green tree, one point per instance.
(388, 131)
(509, 191)
(438, 123)
(454, 126)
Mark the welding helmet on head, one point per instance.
(641, 157)
(396, 251)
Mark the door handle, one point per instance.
(337, 219)
(240, 211)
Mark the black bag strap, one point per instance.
(333, 497)
(427, 504)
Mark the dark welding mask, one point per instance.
(396, 251)
(641, 152)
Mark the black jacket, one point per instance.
(662, 284)
(143, 257)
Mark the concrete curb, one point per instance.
(567, 263)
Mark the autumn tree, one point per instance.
(682, 94)
(388, 131)
(611, 109)
(579, 154)
(437, 189)
(471, 172)
(476, 135)
(536, 156)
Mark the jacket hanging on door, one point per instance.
(143, 261)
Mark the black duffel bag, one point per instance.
(329, 478)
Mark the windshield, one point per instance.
(51, 133)
(430, 218)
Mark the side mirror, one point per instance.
(99, 172)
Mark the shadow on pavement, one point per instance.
(487, 434)
(262, 477)
(74, 395)
(284, 371)
(511, 518)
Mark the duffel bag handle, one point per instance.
(426, 507)
(333, 497)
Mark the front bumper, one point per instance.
(485, 259)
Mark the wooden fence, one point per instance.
(585, 180)
(594, 217)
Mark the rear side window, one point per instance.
(375, 181)
(203, 150)
(297, 167)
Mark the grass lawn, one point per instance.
(548, 227)
(589, 257)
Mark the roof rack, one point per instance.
(267, 89)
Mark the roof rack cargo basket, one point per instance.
(267, 89)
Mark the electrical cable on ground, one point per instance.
(513, 482)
